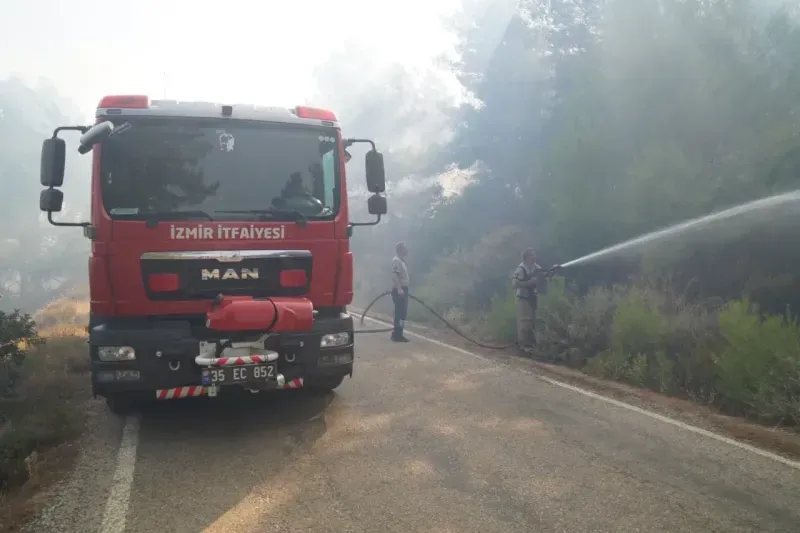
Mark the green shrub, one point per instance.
(573, 329)
(502, 317)
(637, 340)
(649, 338)
(17, 335)
(608, 365)
(690, 341)
(655, 338)
(638, 325)
(758, 368)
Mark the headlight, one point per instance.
(331, 340)
(116, 353)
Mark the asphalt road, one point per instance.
(423, 438)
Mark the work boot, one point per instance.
(397, 336)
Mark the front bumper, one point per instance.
(193, 391)
(171, 355)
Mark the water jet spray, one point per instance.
(686, 226)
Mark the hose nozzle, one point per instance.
(554, 269)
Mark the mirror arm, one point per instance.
(350, 142)
(68, 224)
(375, 222)
(82, 129)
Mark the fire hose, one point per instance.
(446, 322)
(437, 315)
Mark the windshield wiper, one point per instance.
(273, 214)
(153, 218)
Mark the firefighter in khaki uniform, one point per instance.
(400, 291)
(524, 283)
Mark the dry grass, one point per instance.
(47, 409)
(63, 313)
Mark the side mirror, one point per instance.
(96, 134)
(376, 174)
(51, 172)
(51, 200)
(376, 205)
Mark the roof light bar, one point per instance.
(315, 113)
(125, 101)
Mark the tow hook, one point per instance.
(280, 381)
(174, 365)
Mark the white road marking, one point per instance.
(661, 418)
(119, 495)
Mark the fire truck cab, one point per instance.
(219, 246)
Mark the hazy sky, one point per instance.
(233, 51)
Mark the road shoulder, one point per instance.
(75, 499)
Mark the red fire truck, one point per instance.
(219, 246)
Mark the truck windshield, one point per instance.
(222, 170)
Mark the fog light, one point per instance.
(105, 376)
(335, 359)
(116, 353)
(332, 340)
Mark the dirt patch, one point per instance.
(19, 506)
(783, 441)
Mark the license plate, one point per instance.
(232, 375)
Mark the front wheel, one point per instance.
(122, 404)
(326, 383)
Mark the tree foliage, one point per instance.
(601, 120)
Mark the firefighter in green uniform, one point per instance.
(526, 297)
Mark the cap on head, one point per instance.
(401, 248)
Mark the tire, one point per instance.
(123, 404)
(326, 384)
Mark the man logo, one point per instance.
(245, 273)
